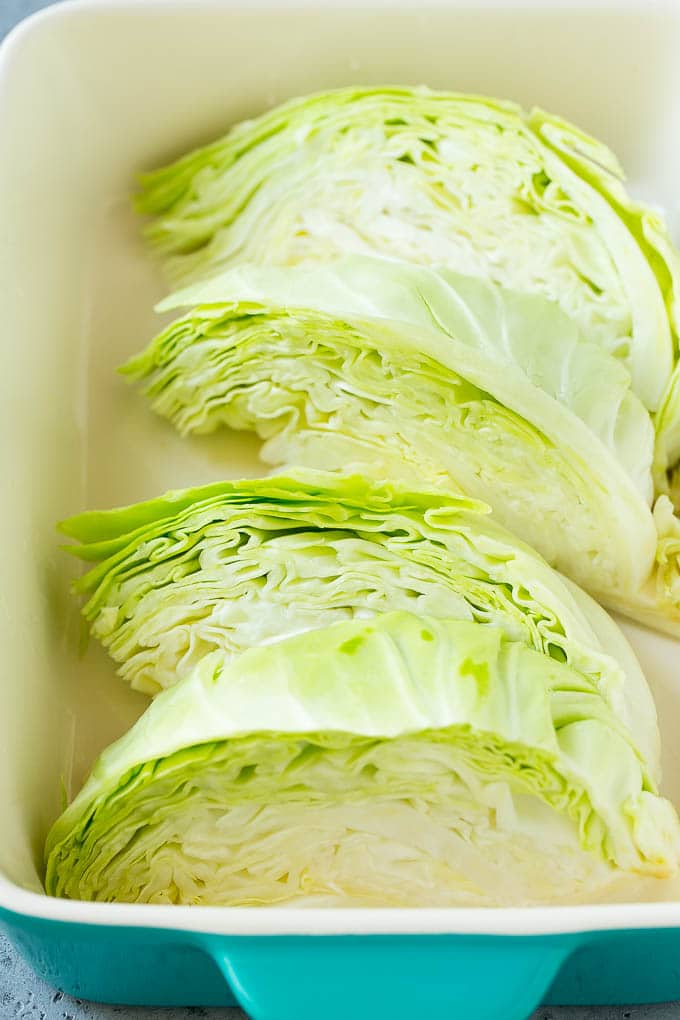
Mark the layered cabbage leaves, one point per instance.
(478, 185)
(401, 760)
(368, 690)
(408, 372)
(239, 564)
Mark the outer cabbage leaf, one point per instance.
(525, 200)
(236, 565)
(405, 371)
(518, 338)
(402, 760)
(667, 422)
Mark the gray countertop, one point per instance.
(23, 996)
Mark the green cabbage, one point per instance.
(409, 372)
(236, 565)
(475, 184)
(399, 760)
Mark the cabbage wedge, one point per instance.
(442, 380)
(236, 565)
(523, 199)
(403, 760)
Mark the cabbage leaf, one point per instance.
(409, 372)
(523, 199)
(237, 565)
(393, 761)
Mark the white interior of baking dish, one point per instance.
(92, 93)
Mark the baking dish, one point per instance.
(91, 92)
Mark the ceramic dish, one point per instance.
(91, 92)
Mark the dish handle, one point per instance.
(303, 977)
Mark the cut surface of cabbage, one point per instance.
(391, 761)
(523, 199)
(407, 372)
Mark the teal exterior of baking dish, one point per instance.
(294, 977)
